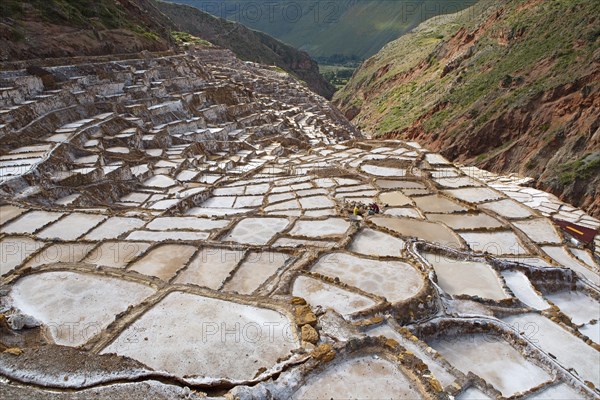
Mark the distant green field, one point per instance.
(331, 29)
(337, 75)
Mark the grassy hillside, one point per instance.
(247, 44)
(335, 29)
(509, 85)
(60, 28)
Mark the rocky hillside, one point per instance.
(60, 28)
(247, 44)
(510, 86)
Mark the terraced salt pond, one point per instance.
(72, 226)
(466, 221)
(429, 231)
(569, 350)
(560, 391)
(508, 208)
(494, 360)
(256, 230)
(8, 212)
(437, 204)
(114, 227)
(386, 380)
(577, 305)
(203, 348)
(164, 261)
(495, 243)
(210, 267)
(320, 229)
(441, 373)
(15, 249)
(458, 277)
(566, 259)
(520, 285)
(394, 280)
(399, 184)
(539, 230)
(383, 171)
(374, 243)
(319, 293)
(395, 199)
(254, 270)
(116, 254)
(31, 222)
(192, 230)
(474, 195)
(186, 223)
(80, 315)
(60, 253)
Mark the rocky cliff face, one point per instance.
(248, 44)
(511, 86)
(59, 28)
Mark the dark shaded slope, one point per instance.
(247, 44)
(64, 28)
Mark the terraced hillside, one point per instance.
(40, 29)
(247, 44)
(183, 226)
(510, 86)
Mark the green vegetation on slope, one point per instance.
(496, 75)
(512, 85)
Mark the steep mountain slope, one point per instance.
(341, 28)
(247, 44)
(61, 28)
(511, 86)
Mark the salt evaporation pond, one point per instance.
(576, 305)
(495, 243)
(72, 226)
(466, 221)
(167, 339)
(457, 277)
(374, 243)
(67, 302)
(441, 374)
(254, 270)
(429, 231)
(496, 361)
(522, 288)
(362, 378)
(319, 229)
(210, 267)
(256, 230)
(569, 350)
(394, 280)
(116, 254)
(437, 204)
(31, 222)
(319, 293)
(164, 261)
(15, 249)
